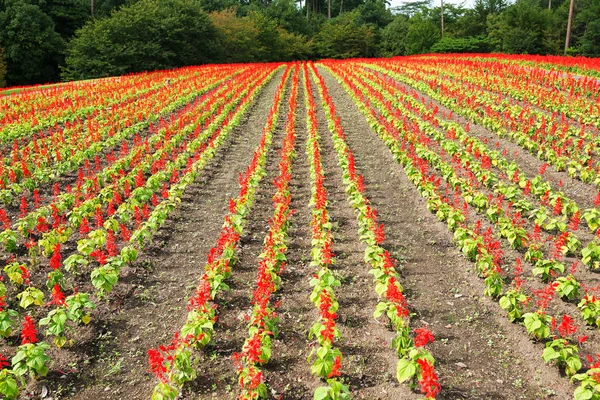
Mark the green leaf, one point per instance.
(405, 370)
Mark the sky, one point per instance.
(467, 3)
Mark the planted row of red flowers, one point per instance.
(175, 364)
(263, 320)
(326, 358)
(415, 362)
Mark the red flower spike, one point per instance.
(3, 362)
(335, 369)
(84, 228)
(28, 334)
(56, 258)
(423, 337)
(58, 297)
(567, 327)
(157, 367)
(430, 385)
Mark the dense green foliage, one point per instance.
(2, 69)
(149, 35)
(345, 37)
(44, 40)
(32, 47)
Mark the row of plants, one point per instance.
(325, 357)
(175, 364)
(561, 345)
(263, 319)
(415, 363)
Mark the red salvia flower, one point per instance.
(36, 198)
(335, 369)
(3, 362)
(4, 219)
(99, 256)
(99, 218)
(423, 337)
(58, 297)
(430, 385)
(28, 334)
(111, 246)
(125, 233)
(157, 367)
(84, 228)
(567, 327)
(23, 207)
(25, 274)
(42, 225)
(56, 258)
(597, 200)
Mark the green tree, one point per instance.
(523, 27)
(345, 37)
(103, 8)
(411, 8)
(217, 5)
(376, 13)
(293, 46)
(287, 16)
(68, 15)
(393, 37)
(32, 48)
(148, 35)
(2, 70)
(238, 37)
(588, 19)
(422, 34)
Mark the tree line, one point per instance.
(51, 40)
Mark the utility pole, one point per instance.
(569, 26)
(92, 7)
(442, 2)
(328, 9)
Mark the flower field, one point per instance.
(406, 228)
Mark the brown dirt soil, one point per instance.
(479, 354)
(148, 304)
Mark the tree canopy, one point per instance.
(150, 34)
(45, 40)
